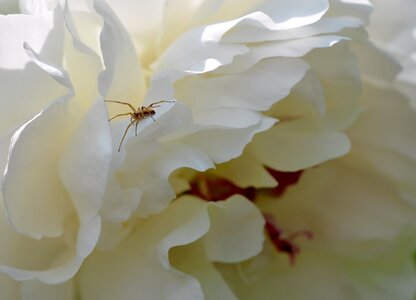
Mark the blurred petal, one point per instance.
(34, 290)
(362, 245)
(9, 288)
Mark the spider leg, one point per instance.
(119, 115)
(163, 101)
(135, 131)
(125, 133)
(124, 103)
(153, 119)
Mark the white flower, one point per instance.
(71, 181)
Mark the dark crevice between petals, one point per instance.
(285, 179)
(214, 188)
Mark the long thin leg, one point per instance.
(119, 115)
(135, 131)
(124, 103)
(124, 135)
(163, 101)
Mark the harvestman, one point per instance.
(141, 113)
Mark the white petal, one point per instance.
(55, 71)
(294, 13)
(257, 88)
(119, 203)
(354, 199)
(385, 144)
(226, 117)
(375, 64)
(123, 78)
(152, 176)
(17, 29)
(9, 288)
(191, 259)
(85, 162)
(382, 273)
(300, 144)
(245, 171)
(34, 290)
(305, 99)
(271, 20)
(339, 75)
(17, 71)
(260, 29)
(35, 7)
(141, 264)
(81, 49)
(223, 144)
(41, 207)
(236, 231)
(188, 55)
(364, 224)
(145, 32)
(51, 260)
(289, 48)
(65, 262)
(388, 123)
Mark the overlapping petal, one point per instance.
(358, 209)
(52, 214)
(142, 263)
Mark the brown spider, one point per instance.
(137, 115)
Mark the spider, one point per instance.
(137, 115)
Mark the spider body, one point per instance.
(136, 115)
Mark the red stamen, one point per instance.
(282, 243)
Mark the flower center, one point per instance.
(213, 188)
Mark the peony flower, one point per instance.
(93, 198)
